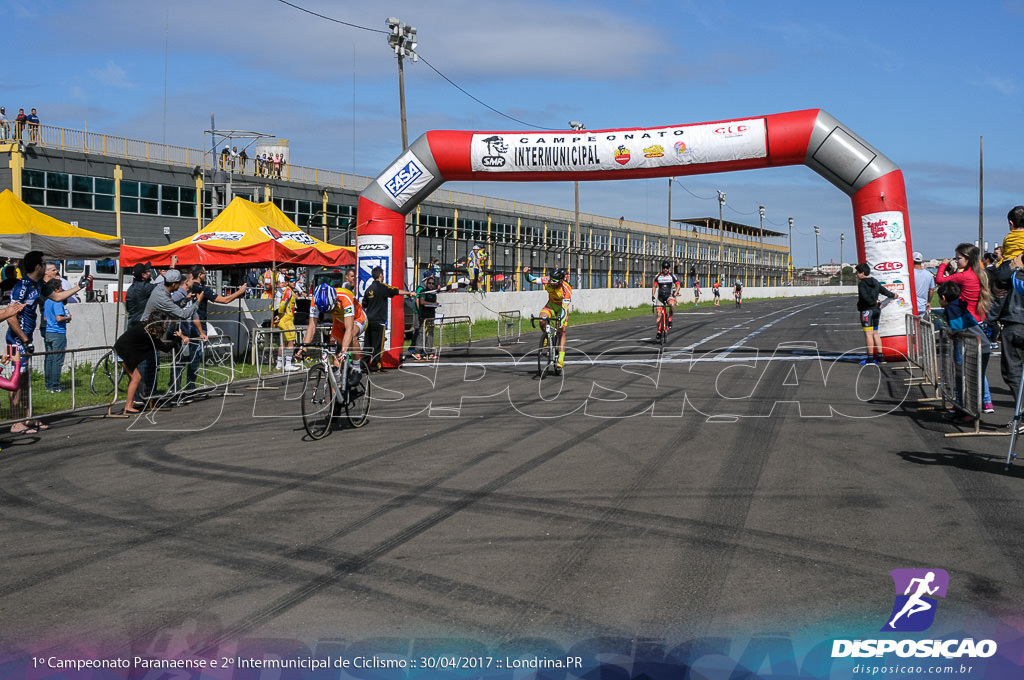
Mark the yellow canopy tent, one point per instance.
(245, 233)
(23, 228)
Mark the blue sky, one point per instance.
(922, 82)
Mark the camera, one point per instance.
(196, 288)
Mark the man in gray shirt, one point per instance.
(160, 299)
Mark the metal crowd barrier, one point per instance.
(450, 331)
(510, 328)
(267, 344)
(959, 357)
(71, 380)
(921, 351)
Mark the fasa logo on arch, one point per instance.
(404, 178)
(916, 590)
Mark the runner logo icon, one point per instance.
(916, 590)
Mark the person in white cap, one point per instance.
(924, 283)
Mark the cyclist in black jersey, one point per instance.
(665, 289)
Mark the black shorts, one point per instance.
(869, 318)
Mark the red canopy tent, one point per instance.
(245, 233)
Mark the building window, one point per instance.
(32, 185)
(57, 194)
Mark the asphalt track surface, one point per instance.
(750, 479)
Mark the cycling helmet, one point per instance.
(558, 275)
(325, 297)
(666, 264)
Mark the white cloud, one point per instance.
(112, 75)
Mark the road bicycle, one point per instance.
(329, 390)
(662, 322)
(547, 352)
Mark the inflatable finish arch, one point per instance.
(812, 137)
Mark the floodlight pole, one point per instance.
(402, 39)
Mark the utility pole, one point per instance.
(791, 251)
(402, 40)
(577, 126)
(842, 238)
(817, 260)
(760, 278)
(721, 234)
(981, 193)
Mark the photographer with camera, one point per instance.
(197, 329)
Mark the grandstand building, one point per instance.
(152, 194)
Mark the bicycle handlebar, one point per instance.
(533, 319)
(320, 345)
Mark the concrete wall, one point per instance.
(92, 324)
(479, 306)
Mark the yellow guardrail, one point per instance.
(181, 156)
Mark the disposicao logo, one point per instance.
(916, 590)
(914, 611)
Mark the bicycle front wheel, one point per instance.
(357, 406)
(317, 403)
(543, 356)
(105, 375)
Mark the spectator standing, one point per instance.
(284, 319)
(19, 126)
(242, 158)
(963, 323)
(1011, 314)
(924, 285)
(696, 293)
(137, 295)
(224, 157)
(56, 342)
(52, 280)
(426, 311)
(32, 120)
(252, 282)
(160, 300)
(233, 157)
(476, 262)
(135, 300)
(965, 270)
(197, 329)
(5, 125)
(28, 292)
(868, 290)
(375, 303)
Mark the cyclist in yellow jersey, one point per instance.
(559, 296)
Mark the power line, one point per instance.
(327, 18)
(432, 67)
(491, 108)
